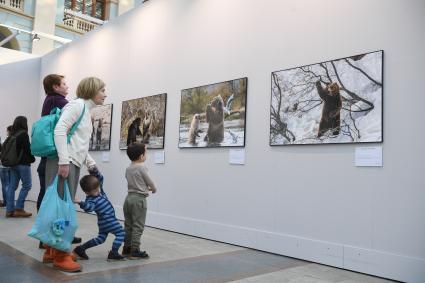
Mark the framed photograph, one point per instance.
(213, 115)
(338, 101)
(143, 120)
(100, 139)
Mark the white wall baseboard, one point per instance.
(373, 262)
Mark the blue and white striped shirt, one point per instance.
(103, 208)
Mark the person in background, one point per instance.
(21, 171)
(5, 175)
(56, 91)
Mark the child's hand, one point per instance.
(76, 200)
(152, 190)
(93, 169)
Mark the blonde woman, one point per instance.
(72, 156)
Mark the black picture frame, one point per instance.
(149, 113)
(348, 112)
(214, 115)
(100, 140)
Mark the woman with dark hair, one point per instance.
(21, 171)
(4, 174)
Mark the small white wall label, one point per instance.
(237, 156)
(369, 156)
(160, 157)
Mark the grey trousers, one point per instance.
(73, 177)
(135, 207)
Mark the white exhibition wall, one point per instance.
(19, 91)
(308, 202)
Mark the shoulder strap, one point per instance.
(75, 126)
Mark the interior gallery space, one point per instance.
(283, 138)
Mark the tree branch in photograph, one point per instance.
(352, 94)
(363, 72)
(354, 124)
(307, 103)
(279, 89)
(346, 130)
(307, 71)
(323, 65)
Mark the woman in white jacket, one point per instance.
(73, 155)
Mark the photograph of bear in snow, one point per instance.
(338, 101)
(143, 120)
(101, 117)
(213, 115)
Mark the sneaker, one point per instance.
(76, 240)
(19, 212)
(126, 251)
(81, 253)
(113, 256)
(137, 254)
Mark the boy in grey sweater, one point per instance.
(135, 205)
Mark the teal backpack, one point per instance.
(43, 136)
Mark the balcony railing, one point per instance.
(79, 22)
(13, 4)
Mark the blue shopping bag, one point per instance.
(56, 221)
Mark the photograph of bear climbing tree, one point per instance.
(143, 120)
(338, 101)
(213, 115)
(101, 118)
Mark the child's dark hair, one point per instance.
(89, 183)
(135, 149)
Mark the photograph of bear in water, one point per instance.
(213, 115)
(143, 120)
(338, 101)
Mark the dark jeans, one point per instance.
(18, 173)
(41, 170)
(5, 182)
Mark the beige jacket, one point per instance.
(77, 150)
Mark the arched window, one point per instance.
(93, 8)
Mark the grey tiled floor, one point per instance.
(173, 258)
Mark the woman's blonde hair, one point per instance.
(89, 87)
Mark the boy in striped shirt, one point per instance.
(97, 201)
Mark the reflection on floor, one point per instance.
(173, 258)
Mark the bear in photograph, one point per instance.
(338, 101)
(213, 115)
(143, 120)
(102, 123)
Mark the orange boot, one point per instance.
(64, 262)
(48, 256)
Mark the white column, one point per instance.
(44, 21)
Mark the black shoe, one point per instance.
(112, 256)
(79, 251)
(126, 251)
(76, 240)
(41, 246)
(137, 254)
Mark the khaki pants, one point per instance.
(135, 207)
(73, 177)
